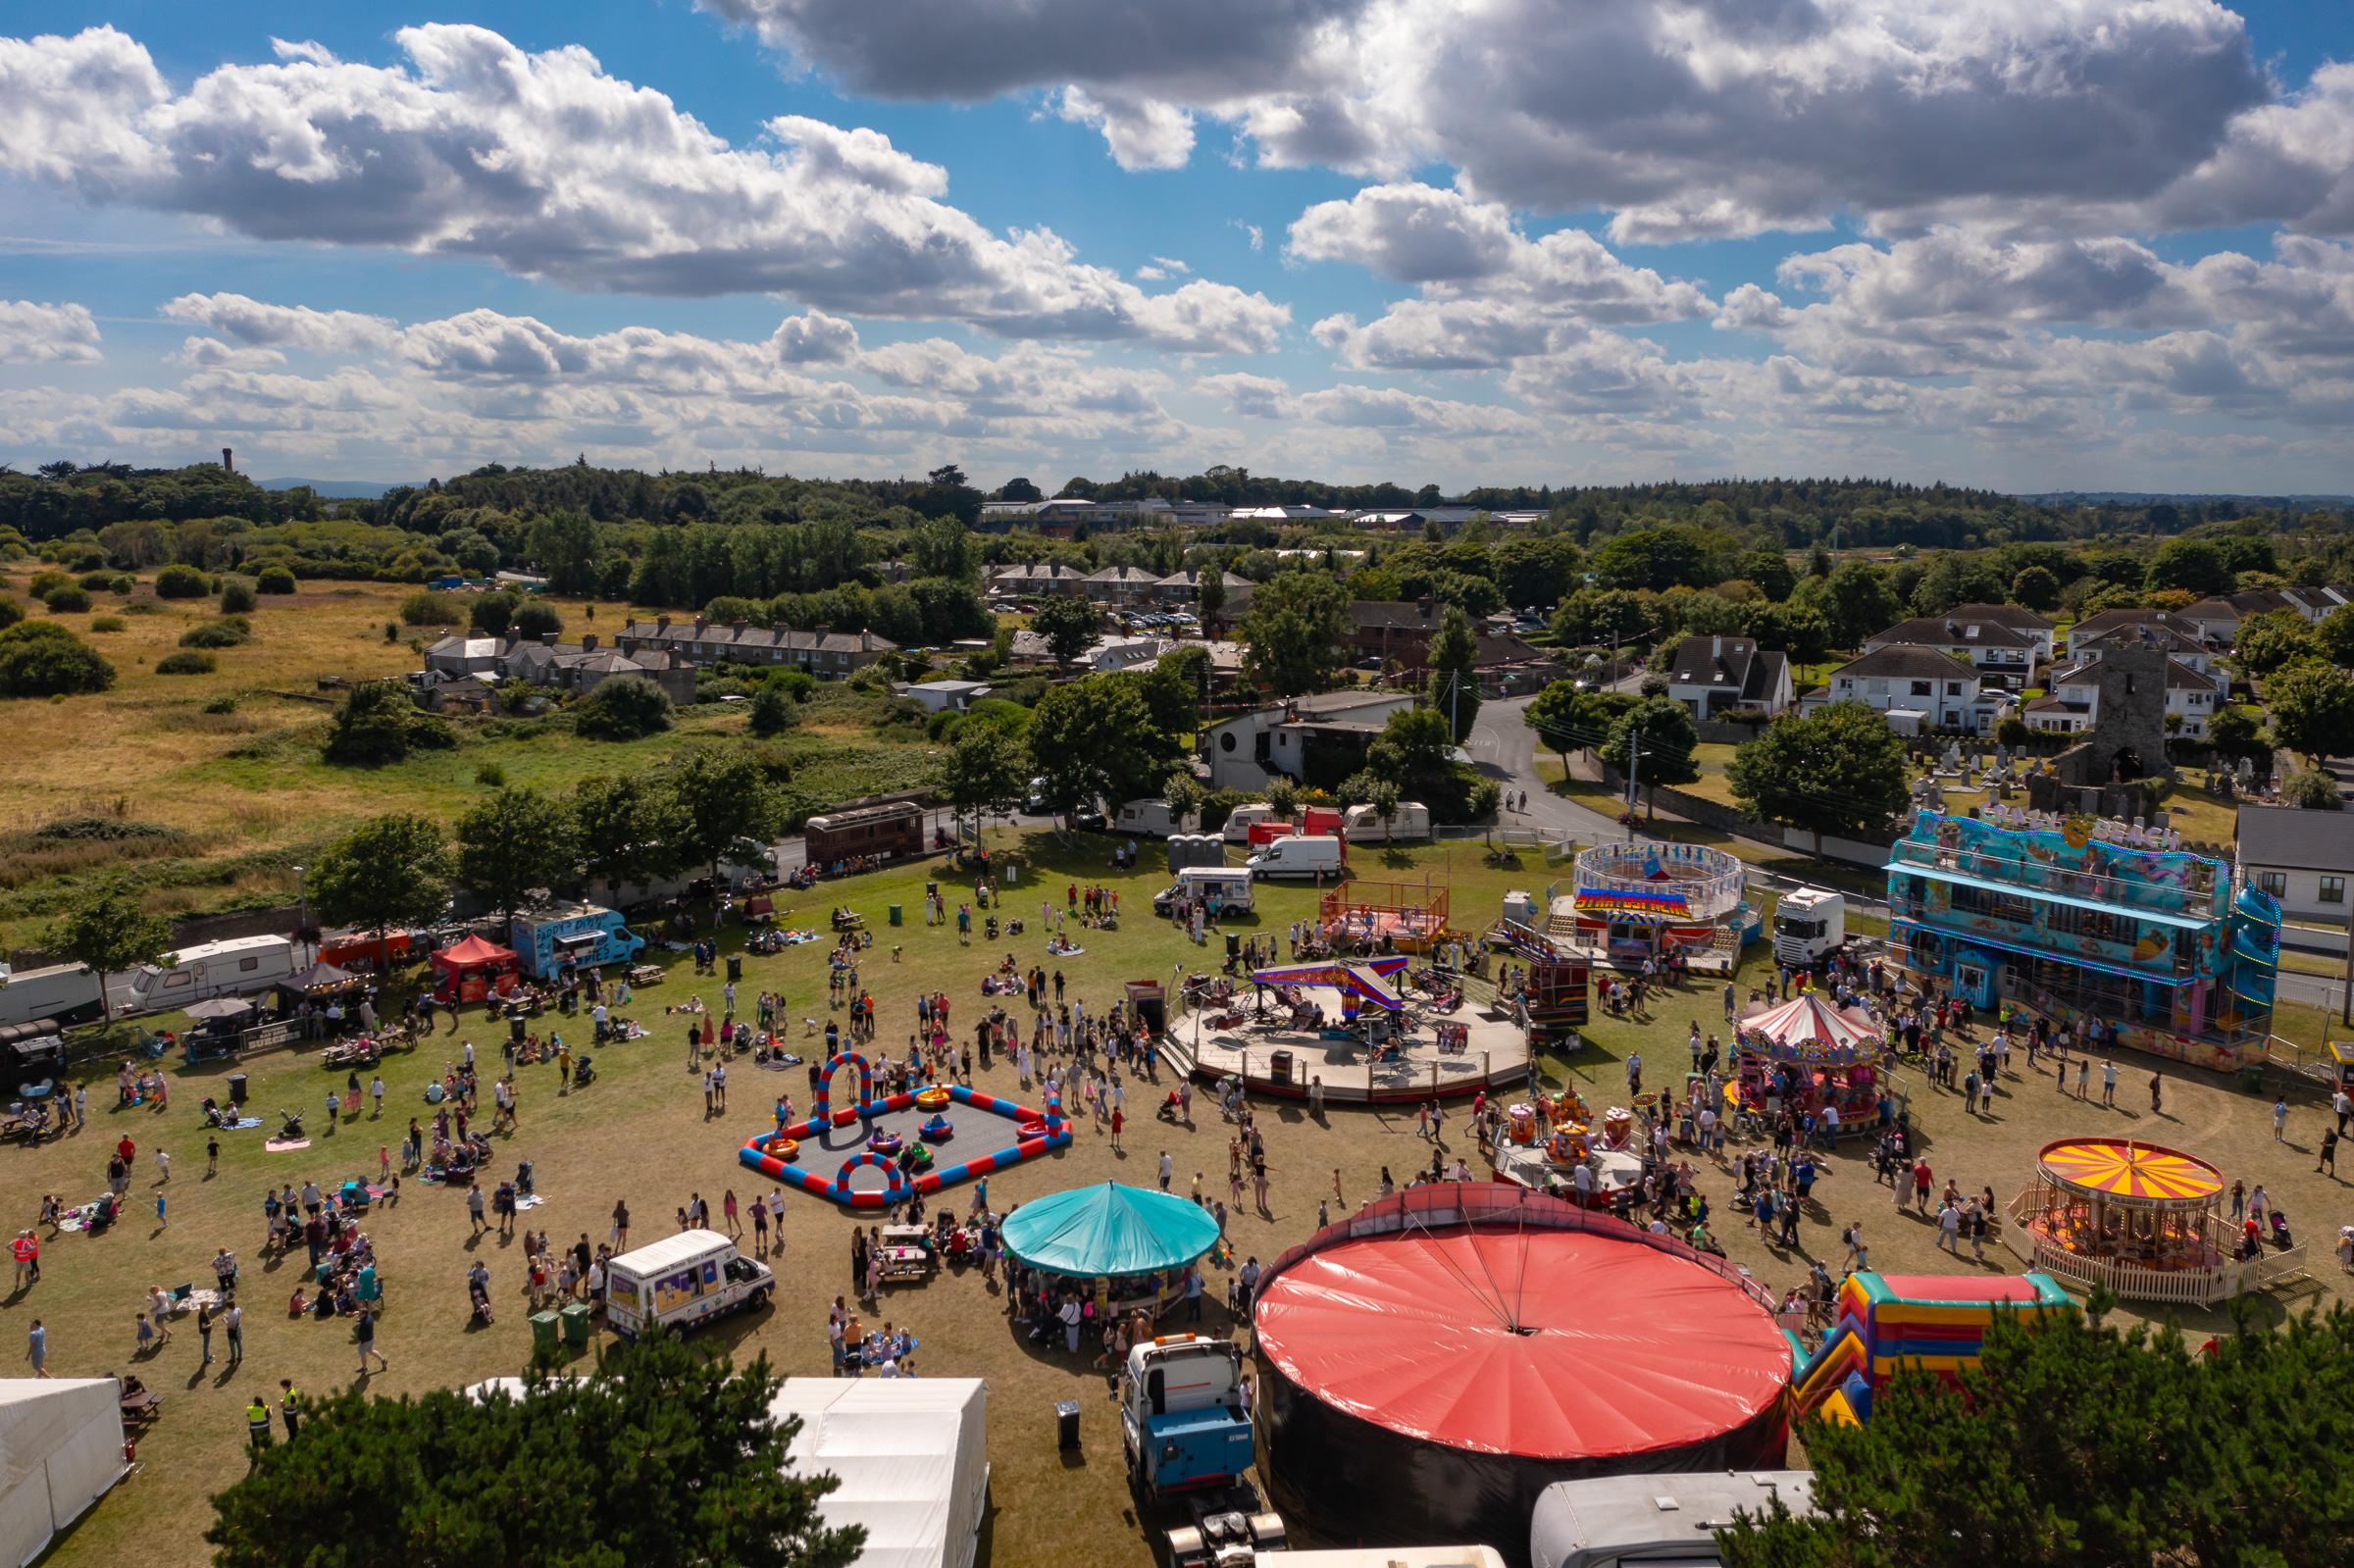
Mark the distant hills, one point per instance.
(336, 489)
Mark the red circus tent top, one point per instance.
(1809, 1025)
(1551, 1344)
(473, 953)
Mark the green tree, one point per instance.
(2314, 790)
(773, 709)
(2311, 706)
(426, 608)
(1861, 601)
(2083, 1444)
(1183, 794)
(724, 794)
(536, 619)
(1551, 713)
(1283, 795)
(1296, 634)
(1455, 672)
(2238, 731)
(563, 544)
(1790, 628)
(1840, 770)
(2333, 638)
(1413, 752)
(490, 614)
(108, 931)
(1592, 617)
(623, 707)
(1669, 741)
(273, 578)
(518, 841)
(628, 828)
(390, 870)
(2273, 640)
(662, 1457)
(1211, 597)
(1094, 738)
(2036, 588)
(1069, 622)
(2195, 566)
(376, 724)
(236, 598)
(986, 773)
(42, 659)
(1384, 797)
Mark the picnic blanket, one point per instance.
(1067, 952)
(285, 1145)
(779, 1063)
(241, 1124)
(794, 938)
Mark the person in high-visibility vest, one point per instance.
(257, 1425)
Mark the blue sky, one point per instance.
(1559, 241)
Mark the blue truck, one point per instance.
(585, 935)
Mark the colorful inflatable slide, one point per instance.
(1935, 1322)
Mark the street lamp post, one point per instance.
(302, 914)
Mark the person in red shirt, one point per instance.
(1117, 1117)
(127, 1149)
(1921, 1185)
(27, 1252)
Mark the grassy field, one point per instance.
(245, 793)
(641, 1133)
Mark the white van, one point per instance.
(1228, 885)
(1410, 822)
(1383, 1557)
(1296, 856)
(1244, 818)
(680, 1282)
(67, 993)
(1611, 1521)
(238, 967)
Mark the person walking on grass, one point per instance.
(2109, 1080)
(2280, 1120)
(362, 1332)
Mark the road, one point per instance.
(1505, 749)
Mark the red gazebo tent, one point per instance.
(472, 969)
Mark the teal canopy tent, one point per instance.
(1109, 1230)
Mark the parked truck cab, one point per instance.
(1809, 924)
(1181, 1414)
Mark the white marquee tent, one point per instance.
(61, 1447)
(912, 1458)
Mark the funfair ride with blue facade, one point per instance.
(2155, 950)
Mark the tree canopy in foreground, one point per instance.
(661, 1458)
(2073, 1443)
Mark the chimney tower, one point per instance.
(228, 460)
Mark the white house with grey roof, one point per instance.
(1920, 689)
(2302, 858)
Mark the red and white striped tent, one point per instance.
(1809, 1025)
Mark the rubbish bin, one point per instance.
(1279, 1067)
(735, 966)
(894, 915)
(545, 1329)
(1066, 1425)
(1013, 874)
(236, 1088)
(2251, 1079)
(576, 1324)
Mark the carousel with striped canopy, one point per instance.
(2119, 1212)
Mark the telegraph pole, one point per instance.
(1634, 770)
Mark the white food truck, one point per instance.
(682, 1281)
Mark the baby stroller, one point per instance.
(289, 1124)
(583, 1072)
(2280, 1230)
(1169, 1106)
(481, 1295)
(523, 1179)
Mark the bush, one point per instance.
(11, 612)
(123, 584)
(235, 597)
(187, 663)
(2314, 790)
(795, 684)
(391, 631)
(536, 620)
(88, 558)
(491, 613)
(376, 724)
(433, 609)
(43, 581)
(97, 582)
(274, 580)
(42, 659)
(490, 774)
(107, 622)
(224, 703)
(229, 632)
(773, 712)
(69, 599)
(1218, 805)
(2012, 731)
(179, 582)
(625, 707)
